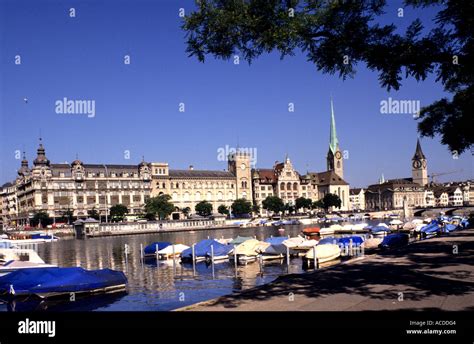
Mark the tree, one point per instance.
(159, 206)
(118, 212)
(186, 211)
(302, 202)
(93, 213)
(273, 204)
(338, 35)
(222, 209)
(41, 218)
(67, 215)
(241, 207)
(331, 200)
(319, 204)
(204, 208)
(256, 209)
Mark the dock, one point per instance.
(433, 274)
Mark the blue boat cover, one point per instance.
(450, 227)
(276, 240)
(202, 248)
(58, 280)
(345, 241)
(394, 240)
(151, 249)
(378, 229)
(220, 250)
(431, 228)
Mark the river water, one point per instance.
(158, 286)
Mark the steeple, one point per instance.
(333, 142)
(419, 166)
(418, 152)
(334, 156)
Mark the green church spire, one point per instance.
(333, 142)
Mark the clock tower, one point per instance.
(239, 165)
(419, 168)
(334, 156)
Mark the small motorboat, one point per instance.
(172, 251)
(327, 231)
(202, 249)
(57, 282)
(299, 243)
(372, 243)
(219, 253)
(12, 259)
(380, 231)
(276, 249)
(394, 240)
(311, 231)
(324, 253)
(155, 247)
(239, 239)
(247, 251)
(433, 228)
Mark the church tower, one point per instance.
(334, 157)
(419, 169)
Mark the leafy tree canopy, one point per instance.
(241, 207)
(273, 204)
(204, 208)
(336, 35)
(159, 206)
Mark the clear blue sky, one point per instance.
(226, 104)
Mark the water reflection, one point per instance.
(162, 285)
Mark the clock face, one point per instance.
(243, 166)
(338, 155)
(417, 164)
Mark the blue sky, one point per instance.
(225, 104)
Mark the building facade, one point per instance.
(78, 188)
(357, 199)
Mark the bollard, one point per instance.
(126, 253)
(314, 257)
(350, 247)
(261, 264)
(194, 259)
(212, 254)
(174, 259)
(156, 251)
(287, 256)
(235, 259)
(141, 251)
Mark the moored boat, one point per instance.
(57, 282)
(172, 251)
(324, 253)
(153, 248)
(12, 259)
(394, 240)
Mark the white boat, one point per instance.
(382, 224)
(359, 226)
(372, 243)
(171, 250)
(12, 259)
(300, 244)
(248, 251)
(326, 231)
(324, 253)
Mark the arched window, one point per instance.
(282, 186)
(288, 186)
(186, 196)
(209, 196)
(175, 196)
(177, 186)
(338, 164)
(197, 196)
(295, 186)
(220, 196)
(230, 195)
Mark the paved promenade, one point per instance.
(426, 275)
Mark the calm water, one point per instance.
(158, 286)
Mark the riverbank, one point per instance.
(434, 274)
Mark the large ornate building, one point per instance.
(80, 188)
(189, 187)
(76, 187)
